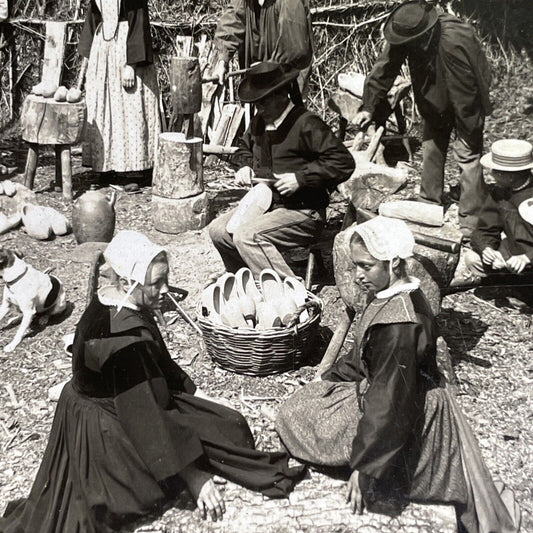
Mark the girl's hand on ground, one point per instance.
(128, 76)
(204, 492)
(210, 501)
(517, 263)
(354, 496)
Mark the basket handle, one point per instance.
(312, 306)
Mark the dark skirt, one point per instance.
(92, 480)
(318, 424)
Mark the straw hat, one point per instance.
(511, 155)
(263, 79)
(409, 21)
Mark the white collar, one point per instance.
(109, 295)
(413, 284)
(279, 121)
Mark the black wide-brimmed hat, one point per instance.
(263, 79)
(409, 21)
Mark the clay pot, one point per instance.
(93, 217)
(36, 222)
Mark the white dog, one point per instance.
(33, 292)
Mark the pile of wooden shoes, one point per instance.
(43, 222)
(237, 301)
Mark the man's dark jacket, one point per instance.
(450, 80)
(302, 144)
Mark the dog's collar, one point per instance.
(15, 272)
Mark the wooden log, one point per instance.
(31, 165)
(45, 121)
(185, 85)
(419, 212)
(171, 215)
(336, 342)
(54, 52)
(218, 149)
(178, 169)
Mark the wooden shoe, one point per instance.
(231, 314)
(246, 285)
(9, 222)
(253, 204)
(36, 222)
(212, 303)
(58, 221)
(271, 285)
(296, 290)
(267, 316)
(228, 286)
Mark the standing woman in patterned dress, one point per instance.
(121, 87)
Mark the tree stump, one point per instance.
(178, 202)
(45, 121)
(178, 169)
(176, 215)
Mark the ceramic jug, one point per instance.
(93, 217)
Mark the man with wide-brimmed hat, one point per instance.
(266, 30)
(298, 156)
(508, 209)
(450, 77)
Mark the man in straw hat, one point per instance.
(450, 77)
(508, 209)
(298, 156)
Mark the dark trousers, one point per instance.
(473, 188)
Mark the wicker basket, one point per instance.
(262, 352)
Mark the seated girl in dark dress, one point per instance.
(380, 413)
(131, 428)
